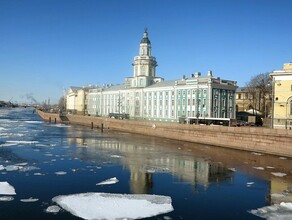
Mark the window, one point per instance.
(239, 96)
(291, 107)
(189, 102)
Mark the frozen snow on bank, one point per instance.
(114, 206)
(6, 189)
(275, 212)
(109, 181)
(279, 174)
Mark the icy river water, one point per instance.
(54, 171)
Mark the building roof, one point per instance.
(145, 38)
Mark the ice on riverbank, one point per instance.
(114, 206)
(109, 181)
(278, 174)
(274, 212)
(6, 189)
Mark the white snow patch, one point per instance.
(232, 169)
(114, 206)
(259, 168)
(38, 174)
(279, 174)
(29, 200)
(109, 181)
(6, 198)
(6, 189)
(257, 154)
(28, 168)
(34, 122)
(277, 195)
(22, 142)
(287, 205)
(12, 168)
(53, 209)
(269, 167)
(283, 158)
(115, 156)
(59, 173)
(274, 212)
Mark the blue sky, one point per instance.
(47, 46)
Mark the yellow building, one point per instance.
(282, 97)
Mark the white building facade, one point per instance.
(148, 97)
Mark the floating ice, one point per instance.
(22, 142)
(60, 173)
(114, 206)
(28, 168)
(2, 167)
(6, 198)
(283, 158)
(21, 164)
(6, 189)
(109, 181)
(53, 209)
(12, 168)
(232, 169)
(115, 156)
(257, 154)
(287, 205)
(34, 122)
(279, 174)
(259, 168)
(38, 174)
(274, 212)
(249, 183)
(29, 200)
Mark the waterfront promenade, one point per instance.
(255, 139)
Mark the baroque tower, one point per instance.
(144, 66)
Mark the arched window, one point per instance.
(291, 107)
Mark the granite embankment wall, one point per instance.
(257, 139)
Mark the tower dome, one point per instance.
(145, 39)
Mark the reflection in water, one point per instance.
(191, 163)
(142, 160)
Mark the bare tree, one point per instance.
(62, 103)
(260, 91)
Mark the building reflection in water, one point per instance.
(143, 160)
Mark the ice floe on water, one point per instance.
(109, 181)
(259, 168)
(53, 209)
(60, 173)
(6, 189)
(114, 206)
(29, 200)
(282, 211)
(22, 142)
(278, 174)
(257, 154)
(38, 174)
(283, 158)
(115, 156)
(6, 198)
(232, 169)
(34, 122)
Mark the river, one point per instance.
(41, 161)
